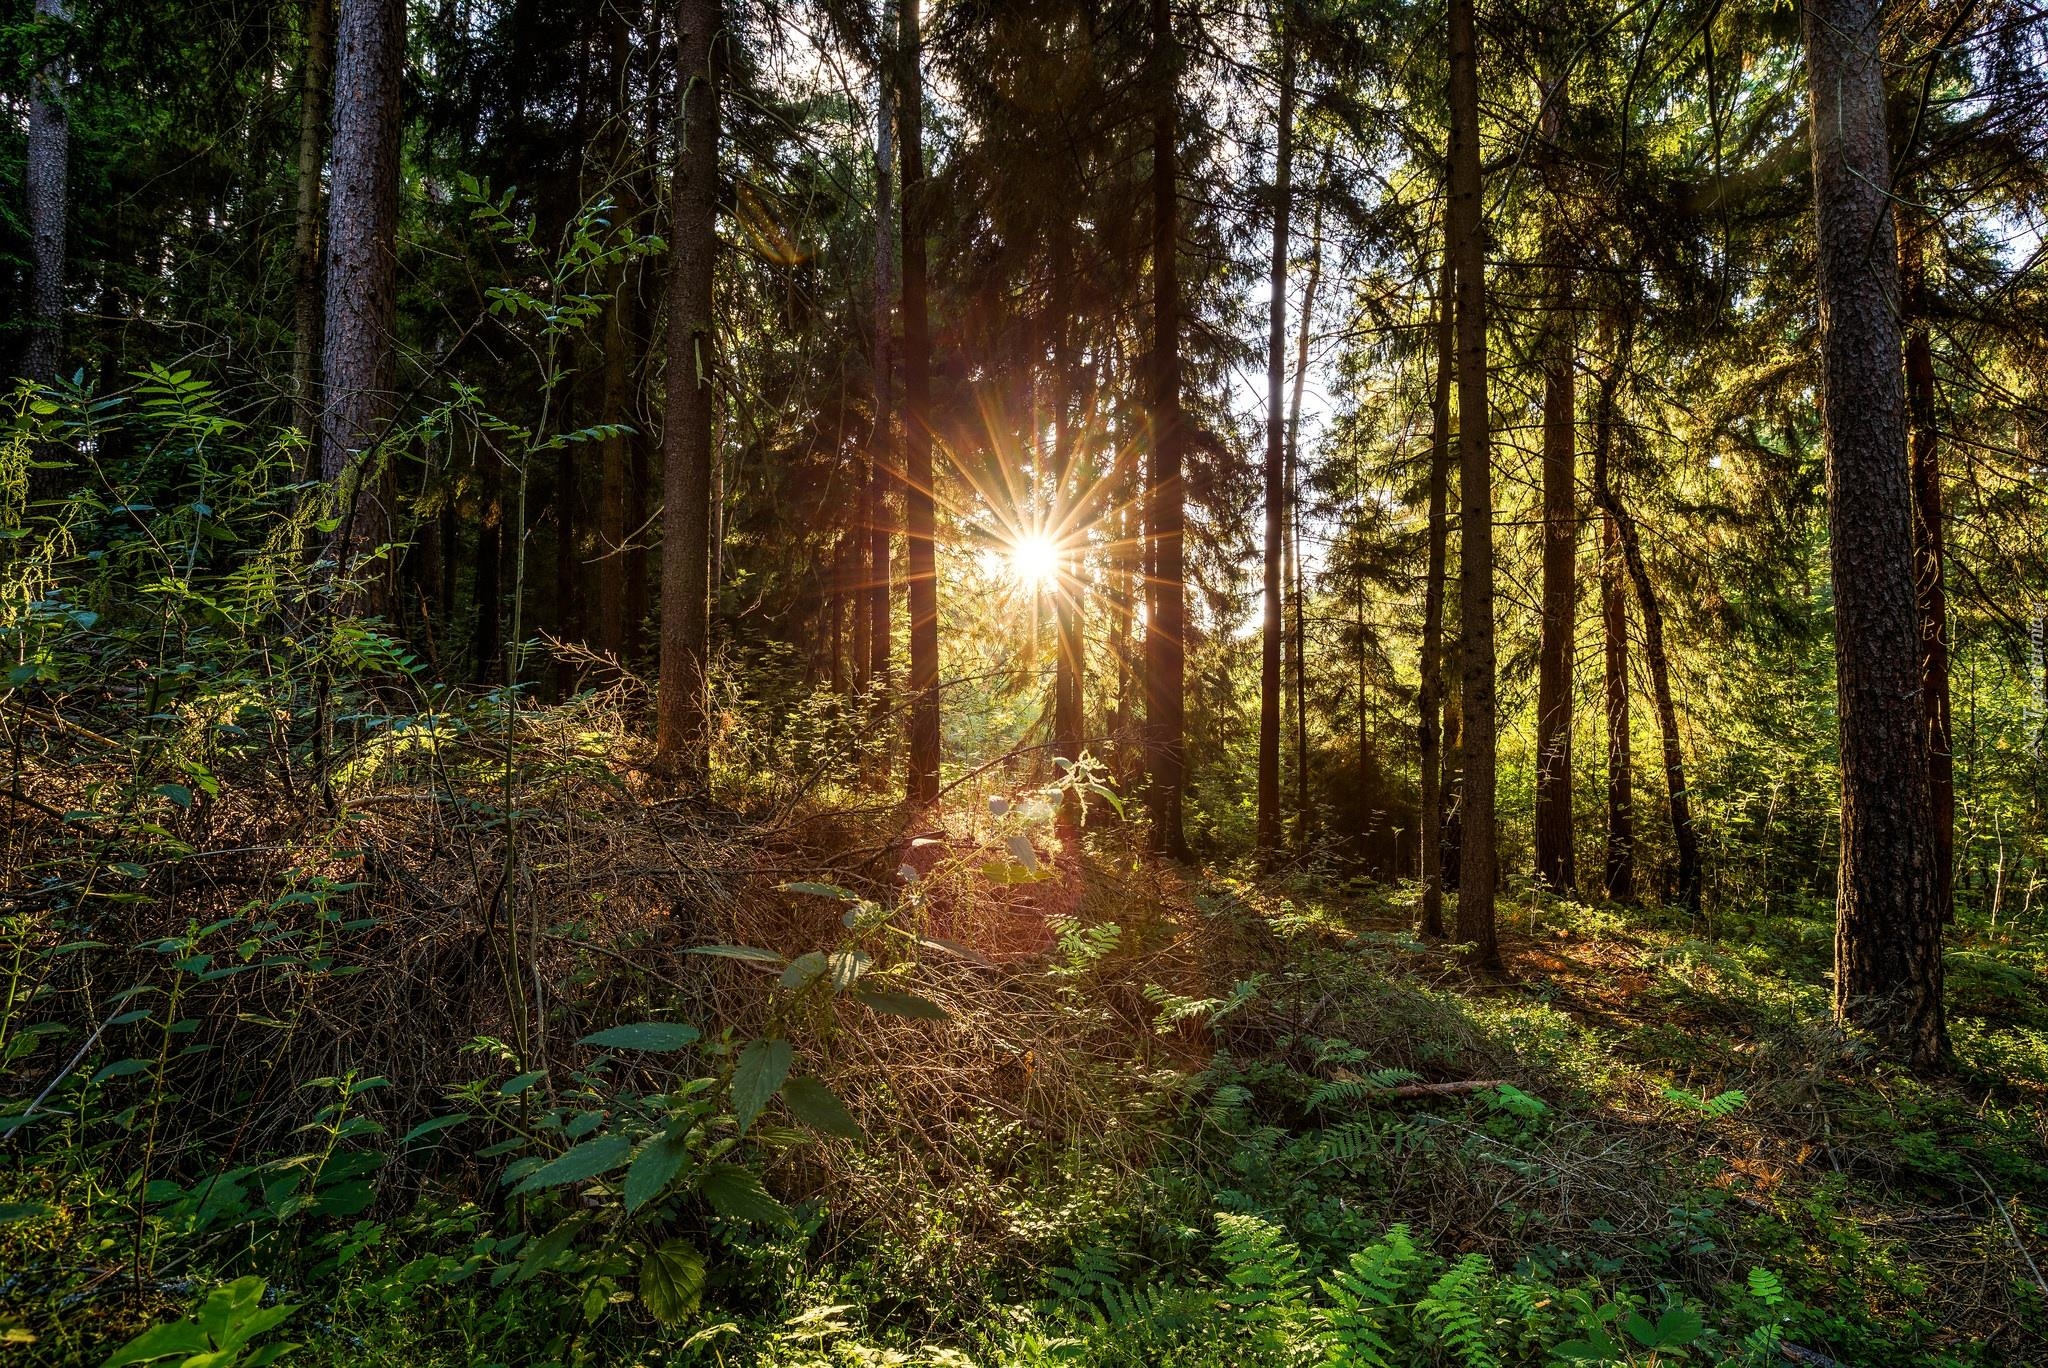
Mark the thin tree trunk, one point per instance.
(314, 65)
(880, 458)
(1430, 695)
(490, 555)
(1621, 823)
(359, 349)
(1929, 553)
(1070, 665)
(619, 327)
(1559, 627)
(46, 182)
(1272, 625)
(1475, 461)
(1297, 637)
(920, 519)
(1166, 595)
(683, 730)
(1888, 970)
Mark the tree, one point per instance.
(687, 454)
(1929, 551)
(46, 178)
(1888, 971)
(1621, 834)
(1276, 456)
(875, 669)
(620, 343)
(1558, 641)
(314, 61)
(1165, 513)
(1429, 697)
(920, 522)
(1476, 870)
(359, 347)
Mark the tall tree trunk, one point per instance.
(1929, 552)
(1684, 838)
(1888, 971)
(46, 182)
(1297, 637)
(1430, 694)
(1475, 463)
(880, 450)
(488, 638)
(314, 64)
(1621, 822)
(683, 723)
(618, 399)
(920, 519)
(359, 349)
(1272, 625)
(568, 583)
(1066, 523)
(1559, 628)
(1165, 513)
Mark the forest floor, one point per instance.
(1107, 1113)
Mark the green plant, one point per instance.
(221, 1333)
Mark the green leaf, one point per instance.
(672, 1281)
(433, 1127)
(585, 1161)
(734, 1190)
(820, 890)
(804, 968)
(746, 953)
(901, 1004)
(762, 1067)
(539, 1255)
(644, 1035)
(814, 1104)
(11, 1212)
(656, 1166)
(512, 1087)
(846, 968)
(177, 793)
(159, 1341)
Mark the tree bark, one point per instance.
(1557, 643)
(1429, 697)
(620, 324)
(683, 724)
(1888, 970)
(359, 347)
(881, 459)
(1297, 636)
(920, 518)
(1621, 829)
(46, 178)
(314, 67)
(1069, 667)
(1929, 552)
(1477, 871)
(1272, 625)
(1165, 514)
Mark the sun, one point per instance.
(1034, 561)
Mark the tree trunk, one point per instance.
(1165, 514)
(1888, 970)
(683, 724)
(880, 457)
(46, 179)
(1559, 628)
(314, 65)
(1929, 553)
(1430, 695)
(359, 349)
(1272, 626)
(1297, 637)
(1621, 824)
(488, 638)
(619, 343)
(920, 519)
(1475, 483)
(1066, 528)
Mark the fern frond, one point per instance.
(1267, 1281)
(1455, 1310)
(1361, 1322)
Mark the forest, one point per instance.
(1009, 683)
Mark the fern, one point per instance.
(1363, 1088)
(1268, 1284)
(1715, 1108)
(1454, 1308)
(1363, 1296)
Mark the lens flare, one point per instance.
(1035, 561)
